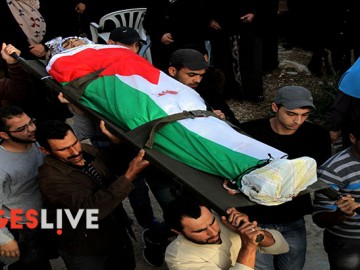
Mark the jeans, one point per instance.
(343, 254)
(295, 235)
(139, 197)
(140, 203)
(163, 189)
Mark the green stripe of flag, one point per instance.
(116, 101)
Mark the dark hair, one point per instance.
(51, 129)
(177, 66)
(354, 128)
(180, 208)
(7, 113)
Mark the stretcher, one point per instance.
(205, 186)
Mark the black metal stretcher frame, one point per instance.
(206, 187)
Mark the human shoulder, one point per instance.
(313, 126)
(256, 123)
(315, 131)
(184, 252)
(342, 170)
(257, 126)
(32, 153)
(337, 161)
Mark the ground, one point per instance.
(292, 71)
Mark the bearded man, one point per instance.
(20, 158)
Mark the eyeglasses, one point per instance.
(32, 122)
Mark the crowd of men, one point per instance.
(45, 165)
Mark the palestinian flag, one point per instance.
(131, 92)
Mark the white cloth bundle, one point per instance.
(275, 183)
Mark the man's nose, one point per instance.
(211, 231)
(299, 119)
(31, 128)
(73, 151)
(197, 79)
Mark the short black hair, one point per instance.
(179, 208)
(51, 129)
(7, 113)
(188, 58)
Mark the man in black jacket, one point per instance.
(173, 24)
(75, 176)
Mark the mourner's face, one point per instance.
(203, 230)
(291, 119)
(21, 129)
(189, 77)
(68, 149)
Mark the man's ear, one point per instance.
(110, 42)
(352, 138)
(175, 231)
(172, 71)
(46, 152)
(134, 48)
(274, 107)
(4, 135)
